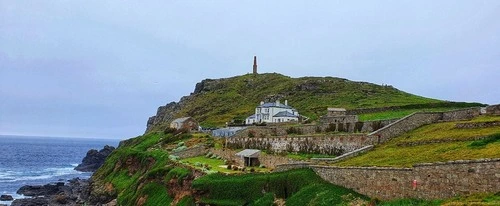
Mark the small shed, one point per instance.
(250, 157)
(185, 123)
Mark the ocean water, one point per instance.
(42, 160)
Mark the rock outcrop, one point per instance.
(94, 159)
(6, 198)
(72, 193)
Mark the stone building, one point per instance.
(250, 157)
(185, 123)
(338, 115)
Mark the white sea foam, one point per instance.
(13, 176)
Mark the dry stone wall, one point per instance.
(493, 109)
(326, 144)
(419, 119)
(191, 152)
(433, 181)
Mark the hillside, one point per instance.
(217, 101)
(441, 142)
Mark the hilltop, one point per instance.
(217, 101)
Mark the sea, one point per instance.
(42, 160)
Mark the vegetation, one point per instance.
(255, 188)
(223, 100)
(434, 143)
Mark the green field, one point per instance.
(217, 165)
(457, 145)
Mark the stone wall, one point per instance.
(493, 109)
(461, 114)
(473, 125)
(291, 166)
(434, 181)
(404, 125)
(270, 161)
(344, 156)
(191, 152)
(281, 130)
(419, 119)
(325, 144)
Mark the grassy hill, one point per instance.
(439, 142)
(215, 102)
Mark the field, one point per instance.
(434, 143)
(216, 165)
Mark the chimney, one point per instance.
(254, 65)
(261, 102)
(286, 102)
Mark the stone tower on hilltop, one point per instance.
(254, 65)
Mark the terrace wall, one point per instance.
(434, 181)
(324, 144)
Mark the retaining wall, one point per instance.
(327, 144)
(434, 181)
(191, 152)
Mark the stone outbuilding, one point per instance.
(185, 123)
(336, 112)
(250, 157)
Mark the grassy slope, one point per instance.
(397, 153)
(238, 96)
(298, 187)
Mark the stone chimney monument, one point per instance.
(254, 65)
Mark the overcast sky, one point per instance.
(101, 68)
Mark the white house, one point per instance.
(273, 112)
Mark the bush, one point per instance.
(173, 157)
(229, 167)
(252, 170)
(180, 144)
(178, 149)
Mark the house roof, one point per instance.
(274, 104)
(336, 109)
(249, 153)
(180, 120)
(251, 116)
(284, 114)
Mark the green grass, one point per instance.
(474, 199)
(304, 156)
(411, 202)
(456, 146)
(324, 195)
(249, 188)
(237, 97)
(215, 165)
(400, 113)
(156, 194)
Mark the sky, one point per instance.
(101, 68)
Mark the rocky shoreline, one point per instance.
(74, 192)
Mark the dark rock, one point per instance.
(40, 190)
(94, 159)
(37, 201)
(75, 192)
(6, 198)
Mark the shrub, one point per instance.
(252, 170)
(180, 144)
(173, 157)
(229, 167)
